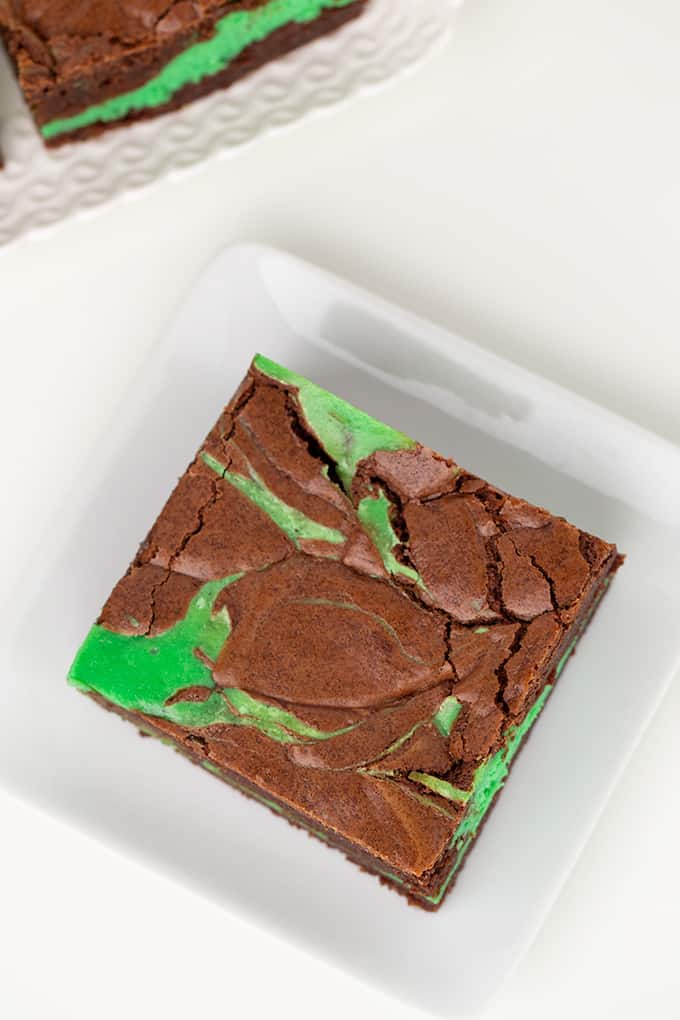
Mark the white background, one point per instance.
(523, 189)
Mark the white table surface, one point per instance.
(523, 189)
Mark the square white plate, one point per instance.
(504, 423)
(40, 186)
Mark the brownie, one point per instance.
(346, 626)
(84, 67)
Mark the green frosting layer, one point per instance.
(346, 433)
(294, 523)
(374, 514)
(140, 673)
(447, 714)
(233, 34)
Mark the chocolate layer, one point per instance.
(346, 624)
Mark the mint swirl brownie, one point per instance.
(346, 626)
(86, 66)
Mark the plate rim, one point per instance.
(495, 362)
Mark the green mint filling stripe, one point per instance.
(233, 34)
(260, 711)
(440, 787)
(296, 525)
(446, 715)
(139, 673)
(197, 714)
(488, 780)
(347, 434)
(374, 514)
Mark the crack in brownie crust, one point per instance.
(346, 625)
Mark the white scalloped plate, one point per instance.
(39, 187)
(526, 434)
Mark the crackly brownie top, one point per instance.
(60, 36)
(341, 615)
(128, 22)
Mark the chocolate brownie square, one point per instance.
(346, 626)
